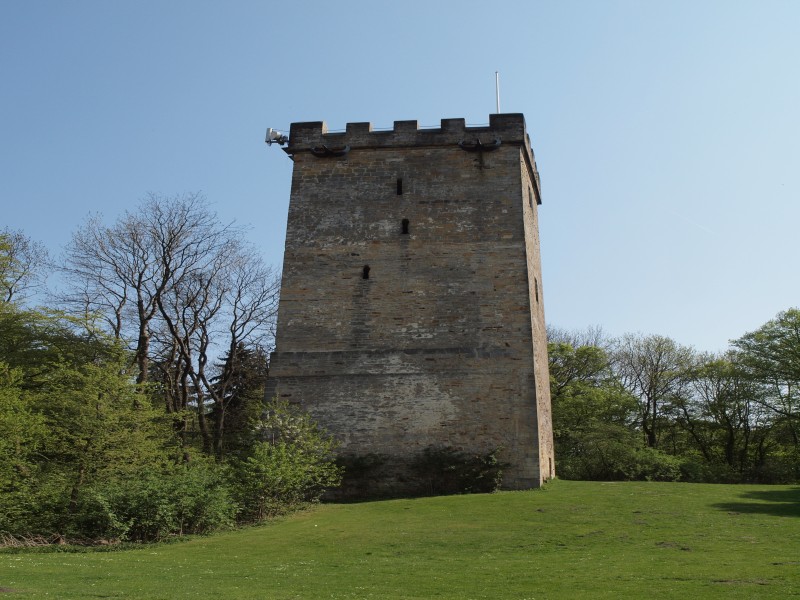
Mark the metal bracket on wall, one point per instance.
(324, 151)
(478, 146)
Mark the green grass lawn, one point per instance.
(571, 540)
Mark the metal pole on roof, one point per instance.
(497, 89)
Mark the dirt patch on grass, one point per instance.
(673, 545)
(4, 590)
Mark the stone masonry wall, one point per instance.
(443, 344)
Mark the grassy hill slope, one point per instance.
(570, 540)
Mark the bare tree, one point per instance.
(23, 262)
(590, 336)
(251, 306)
(181, 288)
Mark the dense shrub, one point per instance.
(291, 464)
(157, 503)
(612, 453)
(184, 499)
(86, 454)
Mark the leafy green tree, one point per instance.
(292, 463)
(654, 369)
(724, 422)
(646, 407)
(100, 431)
(771, 357)
(593, 416)
(23, 433)
(71, 415)
(239, 389)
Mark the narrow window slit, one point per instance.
(405, 227)
(399, 186)
(365, 272)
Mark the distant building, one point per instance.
(411, 312)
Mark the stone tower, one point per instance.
(411, 312)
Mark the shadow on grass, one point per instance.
(780, 503)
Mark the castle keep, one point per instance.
(411, 312)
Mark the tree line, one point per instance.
(646, 407)
(135, 410)
(132, 396)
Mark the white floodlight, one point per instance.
(276, 137)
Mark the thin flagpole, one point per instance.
(497, 89)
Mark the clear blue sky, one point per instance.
(667, 133)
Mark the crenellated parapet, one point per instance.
(504, 129)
